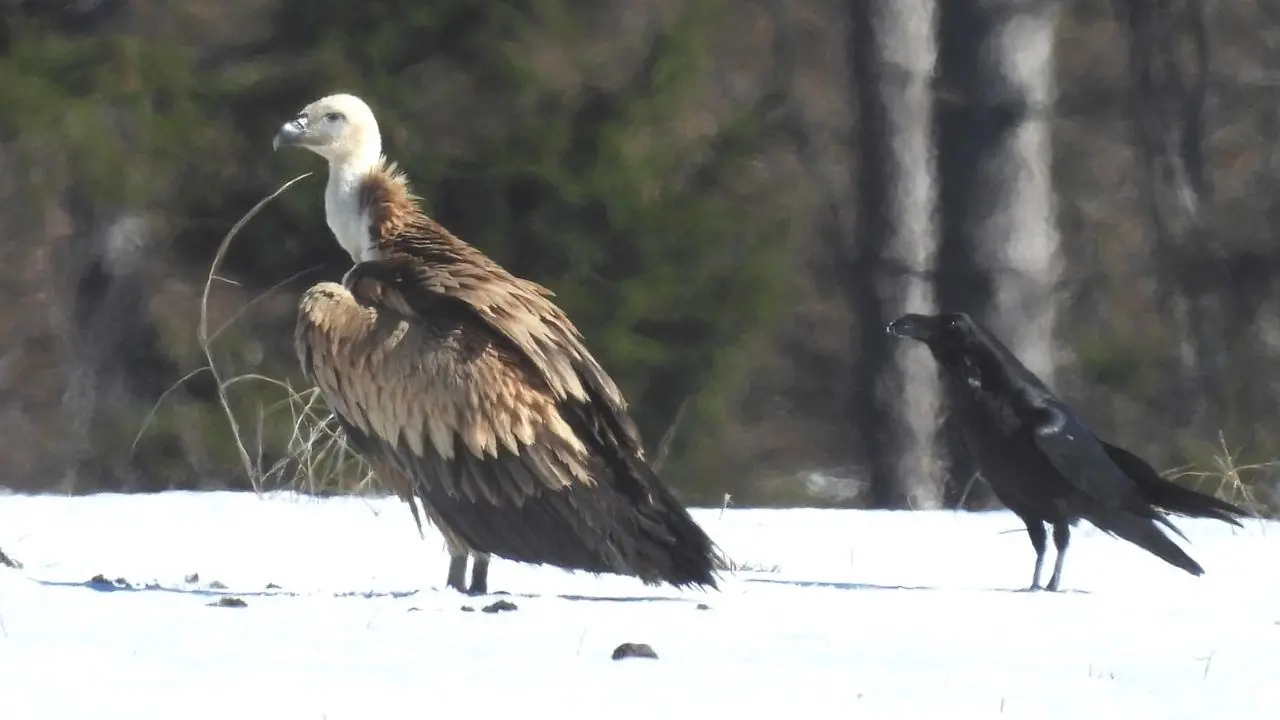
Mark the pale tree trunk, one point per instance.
(1001, 257)
(893, 55)
(106, 313)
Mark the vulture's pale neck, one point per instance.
(347, 217)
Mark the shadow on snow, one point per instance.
(870, 586)
(116, 586)
(108, 586)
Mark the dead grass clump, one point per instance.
(7, 561)
(315, 457)
(734, 566)
(1243, 485)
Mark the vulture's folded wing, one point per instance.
(508, 464)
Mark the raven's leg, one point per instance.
(480, 574)
(1035, 530)
(1061, 536)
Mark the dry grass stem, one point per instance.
(1232, 481)
(664, 446)
(204, 321)
(317, 453)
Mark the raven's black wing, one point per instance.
(1081, 459)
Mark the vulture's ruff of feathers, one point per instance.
(469, 390)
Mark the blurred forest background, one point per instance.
(731, 199)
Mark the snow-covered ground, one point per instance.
(844, 614)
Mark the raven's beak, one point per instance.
(291, 133)
(918, 327)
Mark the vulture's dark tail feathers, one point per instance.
(682, 552)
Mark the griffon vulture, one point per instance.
(469, 390)
(1041, 460)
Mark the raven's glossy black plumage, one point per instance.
(1041, 460)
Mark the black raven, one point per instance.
(1042, 462)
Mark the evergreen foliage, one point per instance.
(649, 223)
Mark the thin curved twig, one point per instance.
(203, 334)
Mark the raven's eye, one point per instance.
(333, 117)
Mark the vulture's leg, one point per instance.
(457, 572)
(1035, 531)
(458, 552)
(480, 574)
(1061, 536)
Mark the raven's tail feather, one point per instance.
(1172, 497)
(1143, 532)
(1179, 500)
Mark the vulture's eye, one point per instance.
(333, 117)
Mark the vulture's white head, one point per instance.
(341, 129)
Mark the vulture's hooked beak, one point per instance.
(918, 327)
(291, 133)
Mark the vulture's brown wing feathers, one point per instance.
(483, 395)
(389, 475)
(518, 309)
